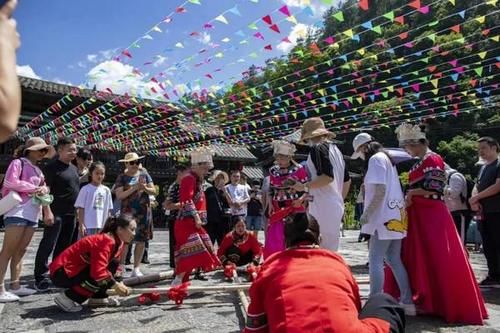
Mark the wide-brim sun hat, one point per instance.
(217, 173)
(35, 143)
(359, 140)
(312, 128)
(129, 157)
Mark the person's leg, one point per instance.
(16, 261)
(485, 229)
(145, 257)
(66, 236)
(377, 252)
(46, 247)
(383, 306)
(457, 220)
(12, 238)
(393, 257)
(492, 220)
(138, 252)
(171, 241)
(257, 226)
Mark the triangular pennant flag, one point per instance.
(274, 27)
(480, 19)
(292, 19)
(156, 28)
(267, 19)
(285, 10)
(377, 29)
(456, 28)
(252, 26)
(482, 54)
(222, 19)
(235, 11)
(349, 33)
(415, 4)
(479, 71)
(286, 40)
(268, 47)
(339, 16)
(329, 40)
(363, 4)
(389, 15)
(308, 10)
(196, 2)
(462, 14)
(258, 35)
(403, 35)
(367, 25)
(452, 2)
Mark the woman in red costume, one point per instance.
(87, 268)
(240, 246)
(284, 200)
(308, 289)
(441, 277)
(193, 248)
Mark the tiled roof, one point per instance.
(253, 172)
(51, 87)
(232, 152)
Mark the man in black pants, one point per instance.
(486, 202)
(172, 205)
(62, 178)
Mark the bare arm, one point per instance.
(374, 204)
(488, 192)
(346, 188)
(10, 90)
(121, 194)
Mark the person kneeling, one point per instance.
(240, 246)
(87, 268)
(308, 289)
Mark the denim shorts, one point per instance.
(254, 222)
(19, 222)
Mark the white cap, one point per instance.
(358, 141)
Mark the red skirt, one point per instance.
(193, 248)
(441, 278)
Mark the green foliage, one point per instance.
(461, 152)
(404, 178)
(349, 222)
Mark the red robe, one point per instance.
(193, 248)
(249, 243)
(307, 290)
(95, 251)
(441, 278)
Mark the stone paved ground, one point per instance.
(210, 312)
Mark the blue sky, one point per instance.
(64, 41)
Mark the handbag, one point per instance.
(10, 201)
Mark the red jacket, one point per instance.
(307, 290)
(96, 251)
(249, 243)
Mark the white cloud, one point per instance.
(61, 81)
(27, 71)
(121, 79)
(92, 58)
(318, 8)
(81, 64)
(299, 31)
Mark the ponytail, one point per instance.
(113, 222)
(301, 228)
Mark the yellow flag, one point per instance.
(480, 19)
(292, 19)
(435, 83)
(361, 51)
(482, 54)
(349, 33)
(435, 91)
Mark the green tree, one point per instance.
(461, 152)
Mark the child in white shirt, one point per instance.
(94, 202)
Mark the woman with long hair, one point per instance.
(87, 268)
(240, 246)
(441, 278)
(24, 177)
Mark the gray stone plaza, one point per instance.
(201, 312)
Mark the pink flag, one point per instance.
(285, 10)
(258, 35)
(274, 27)
(330, 40)
(267, 19)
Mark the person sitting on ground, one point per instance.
(240, 246)
(308, 289)
(87, 268)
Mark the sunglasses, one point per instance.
(133, 163)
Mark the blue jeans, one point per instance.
(390, 250)
(254, 223)
(19, 222)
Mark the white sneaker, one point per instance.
(6, 297)
(67, 304)
(176, 282)
(108, 301)
(410, 309)
(23, 291)
(136, 273)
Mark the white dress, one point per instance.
(327, 205)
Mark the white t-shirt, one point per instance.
(238, 193)
(390, 220)
(96, 203)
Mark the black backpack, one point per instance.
(470, 186)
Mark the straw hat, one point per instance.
(129, 157)
(281, 147)
(217, 173)
(35, 144)
(314, 127)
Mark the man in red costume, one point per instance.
(308, 289)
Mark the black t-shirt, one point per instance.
(320, 156)
(254, 207)
(64, 184)
(488, 176)
(216, 205)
